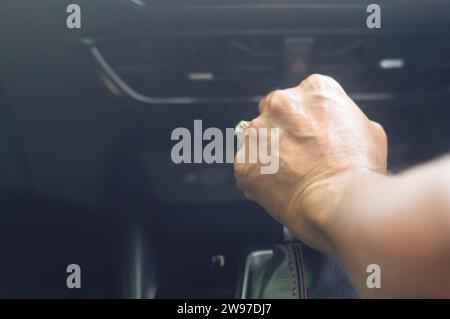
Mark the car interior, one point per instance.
(86, 117)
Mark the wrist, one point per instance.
(317, 205)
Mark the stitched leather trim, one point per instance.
(298, 254)
(294, 272)
(303, 272)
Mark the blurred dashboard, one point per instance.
(86, 118)
(107, 96)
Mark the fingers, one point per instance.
(239, 130)
(320, 83)
(241, 166)
(314, 82)
(278, 98)
(247, 136)
(263, 103)
(278, 102)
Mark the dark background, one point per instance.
(85, 169)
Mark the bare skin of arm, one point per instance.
(332, 192)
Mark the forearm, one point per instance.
(401, 223)
(327, 194)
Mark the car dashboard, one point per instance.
(87, 117)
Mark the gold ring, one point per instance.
(241, 127)
(239, 130)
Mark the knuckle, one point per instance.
(321, 82)
(320, 98)
(262, 104)
(257, 123)
(315, 77)
(277, 102)
(379, 128)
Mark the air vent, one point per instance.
(396, 65)
(243, 68)
(199, 67)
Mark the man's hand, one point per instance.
(322, 134)
(332, 193)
